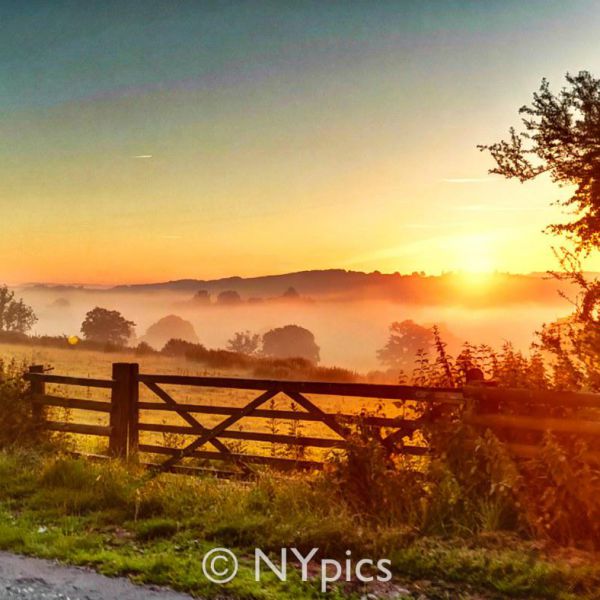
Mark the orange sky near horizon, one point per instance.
(161, 143)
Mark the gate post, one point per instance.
(134, 411)
(123, 409)
(37, 388)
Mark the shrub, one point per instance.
(144, 349)
(561, 497)
(274, 368)
(18, 426)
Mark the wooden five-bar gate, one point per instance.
(520, 417)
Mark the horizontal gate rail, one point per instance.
(285, 463)
(72, 403)
(533, 397)
(280, 414)
(80, 428)
(358, 390)
(255, 436)
(41, 377)
(543, 424)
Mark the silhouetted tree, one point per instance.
(175, 347)
(229, 297)
(244, 342)
(201, 297)
(291, 294)
(291, 341)
(59, 303)
(107, 326)
(15, 315)
(144, 349)
(169, 327)
(403, 345)
(561, 137)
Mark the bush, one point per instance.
(561, 497)
(274, 368)
(144, 349)
(18, 426)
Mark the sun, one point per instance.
(473, 255)
(476, 282)
(475, 263)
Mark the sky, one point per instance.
(158, 140)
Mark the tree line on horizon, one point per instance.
(232, 298)
(412, 355)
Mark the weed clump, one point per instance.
(18, 425)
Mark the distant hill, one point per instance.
(338, 284)
(323, 282)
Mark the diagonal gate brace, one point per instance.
(388, 442)
(180, 410)
(328, 419)
(211, 434)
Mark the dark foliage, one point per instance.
(291, 341)
(107, 326)
(258, 366)
(18, 426)
(229, 297)
(405, 340)
(561, 137)
(15, 315)
(244, 342)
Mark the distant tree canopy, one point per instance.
(60, 303)
(175, 347)
(405, 340)
(169, 327)
(291, 293)
(229, 297)
(201, 297)
(291, 341)
(244, 342)
(15, 315)
(107, 326)
(561, 136)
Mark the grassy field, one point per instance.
(119, 521)
(86, 363)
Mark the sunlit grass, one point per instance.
(114, 518)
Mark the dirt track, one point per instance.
(26, 578)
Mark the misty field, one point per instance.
(348, 333)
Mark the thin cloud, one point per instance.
(424, 225)
(468, 180)
(494, 208)
(143, 156)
